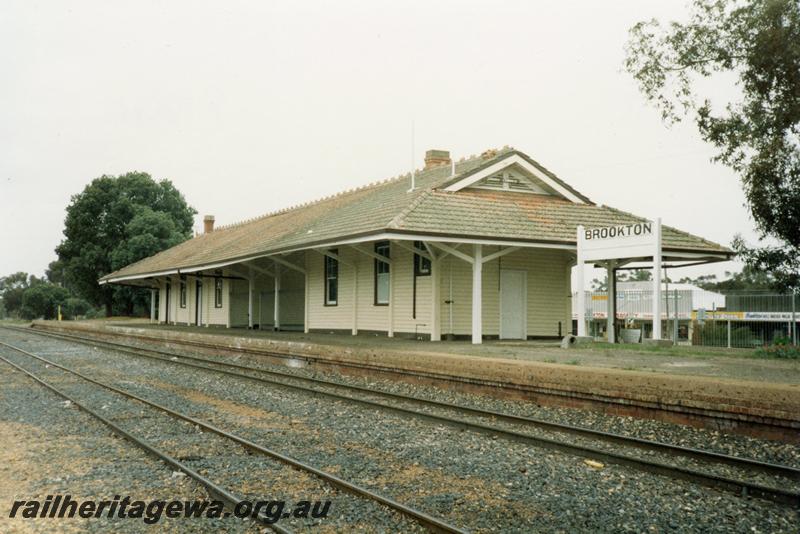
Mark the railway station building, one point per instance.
(479, 248)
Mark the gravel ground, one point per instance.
(48, 448)
(251, 476)
(687, 436)
(468, 479)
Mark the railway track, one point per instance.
(216, 490)
(761, 426)
(324, 388)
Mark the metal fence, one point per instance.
(695, 316)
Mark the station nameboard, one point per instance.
(640, 240)
(622, 241)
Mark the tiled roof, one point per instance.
(390, 206)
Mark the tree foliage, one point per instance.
(115, 221)
(13, 287)
(29, 297)
(42, 300)
(749, 279)
(758, 136)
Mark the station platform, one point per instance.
(684, 381)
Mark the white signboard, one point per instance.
(622, 241)
(635, 240)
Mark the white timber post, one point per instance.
(390, 332)
(570, 301)
(436, 329)
(477, 295)
(612, 301)
(657, 282)
(277, 310)
(355, 296)
(250, 289)
(226, 302)
(208, 297)
(188, 302)
(152, 305)
(306, 294)
(580, 293)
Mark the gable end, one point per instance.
(542, 180)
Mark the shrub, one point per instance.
(74, 307)
(42, 300)
(787, 351)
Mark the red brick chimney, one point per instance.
(208, 224)
(435, 158)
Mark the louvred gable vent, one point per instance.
(510, 181)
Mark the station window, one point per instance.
(382, 274)
(422, 265)
(332, 279)
(183, 293)
(217, 292)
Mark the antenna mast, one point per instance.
(413, 173)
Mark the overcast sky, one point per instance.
(253, 106)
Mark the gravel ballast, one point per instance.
(471, 480)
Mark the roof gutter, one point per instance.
(402, 235)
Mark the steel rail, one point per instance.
(700, 454)
(735, 486)
(217, 492)
(551, 392)
(431, 523)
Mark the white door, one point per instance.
(513, 304)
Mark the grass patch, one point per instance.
(675, 350)
(13, 322)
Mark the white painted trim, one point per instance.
(354, 330)
(457, 253)
(251, 288)
(392, 277)
(477, 296)
(430, 250)
(412, 237)
(579, 282)
(533, 187)
(422, 253)
(499, 254)
(436, 317)
(276, 312)
(287, 264)
(374, 255)
(333, 256)
(522, 162)
(391, 236)
(307, 298)
(258, 269)
(139, 276)
(657, 280)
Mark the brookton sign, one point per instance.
(623, 230)
(608, 245)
